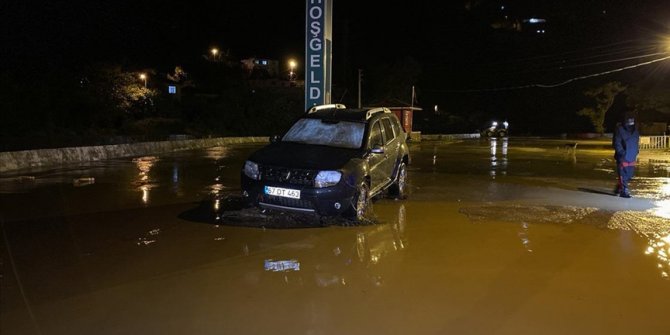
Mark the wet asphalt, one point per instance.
(518, 236)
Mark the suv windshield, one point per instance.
(342, 134)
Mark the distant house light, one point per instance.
(534, 20)
(172, 89)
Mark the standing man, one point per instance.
(626, 143)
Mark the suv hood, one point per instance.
(304, 156)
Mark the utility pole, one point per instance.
(360, 79)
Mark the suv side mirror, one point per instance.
(377, 149)
(275, 139)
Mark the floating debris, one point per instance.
(144, 241)
(83, 181)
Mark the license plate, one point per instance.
(282, 266)
(282, 192)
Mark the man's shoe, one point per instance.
(624, 195)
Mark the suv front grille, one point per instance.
(288, 175)
(287, 202)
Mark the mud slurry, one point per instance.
(526, 213)
(652, 225)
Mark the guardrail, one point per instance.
(654, 142)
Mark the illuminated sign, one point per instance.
(318, 52)
(172, 89)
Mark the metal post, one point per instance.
(360, 76)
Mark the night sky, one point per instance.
(159, 33)
(456, 42)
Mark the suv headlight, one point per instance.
(251, 170)
(327, 178)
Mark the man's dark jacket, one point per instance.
(626, 143)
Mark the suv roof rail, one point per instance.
(330, 106)
(374, 111)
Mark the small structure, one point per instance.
(257, 68)
(405, 114)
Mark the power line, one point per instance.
(611, 61)
(562, 65)
(556, 84)
(582, 54)
(603, 73)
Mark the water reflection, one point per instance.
(143, 182)
(177, 183)
(659, 247)
(652, 225)
(523, 236)
(662, 209)
(498, 164)
(218, 153)
(659, 168)
(339, 264)
(145, 193)
(659, 243)
(217, 189)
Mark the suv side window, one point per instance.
(396, 125)
(388, 130)
(375, 136)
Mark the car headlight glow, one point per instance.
(251, 170)
(327, 178)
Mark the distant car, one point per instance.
(496, 130)
(331, 162)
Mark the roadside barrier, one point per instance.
(17, 160)
(654, 142)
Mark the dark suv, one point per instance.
(331, 162)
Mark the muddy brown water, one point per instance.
(512, 237)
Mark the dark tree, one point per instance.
(604, 96)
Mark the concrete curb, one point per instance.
(439, 137)
(17, 160)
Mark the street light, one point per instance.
(215, 53)
(292, 64)
(144, 77)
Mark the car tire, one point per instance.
(502, 133)
(398, 189)
(359, 204)
(489, 133)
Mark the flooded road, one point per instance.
(496, 237)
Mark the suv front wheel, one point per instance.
(359, 204)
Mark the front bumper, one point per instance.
(327, 201)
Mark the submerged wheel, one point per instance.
(398, 188)
(359, 204)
